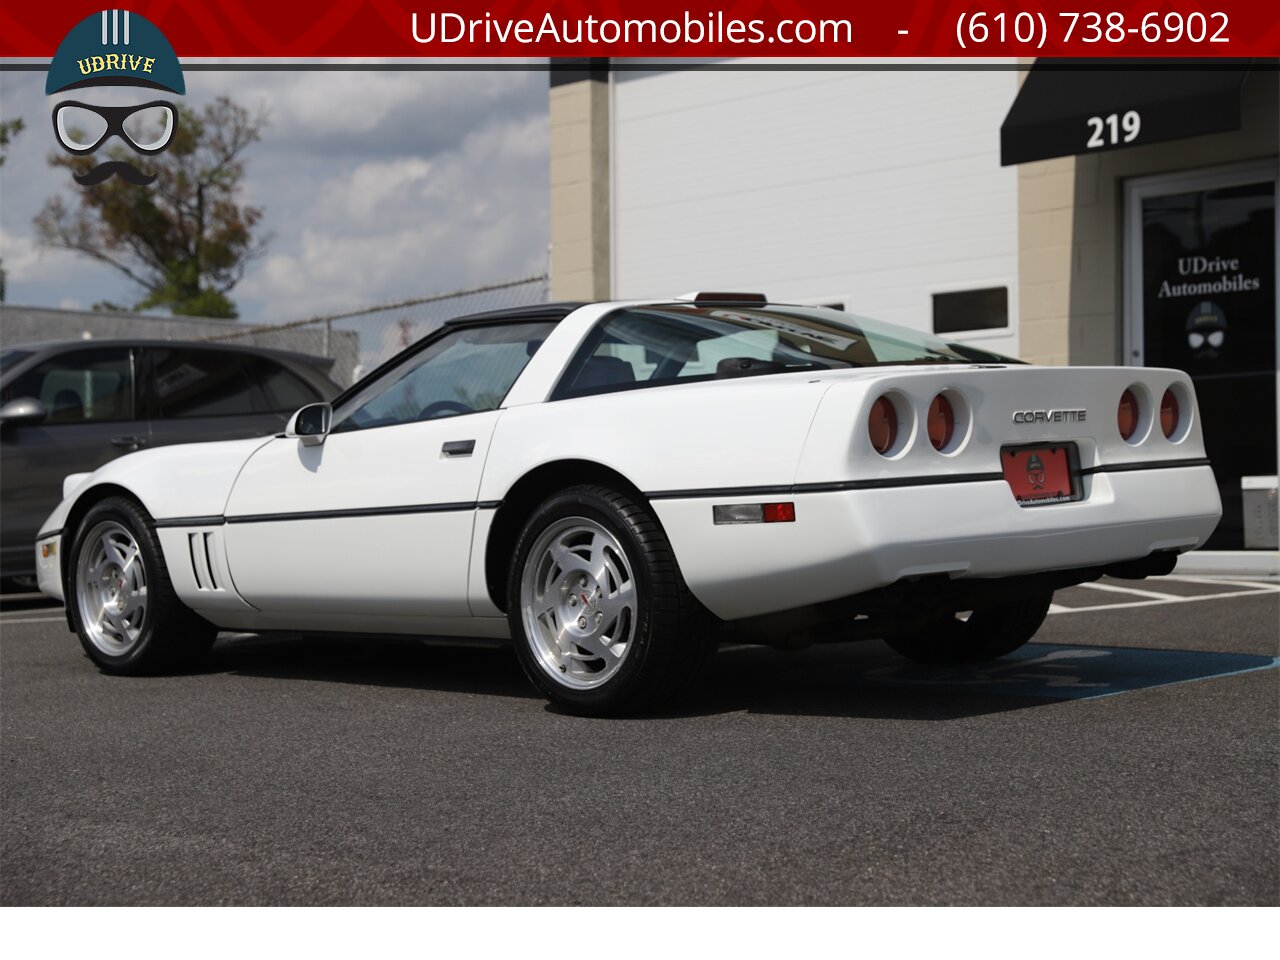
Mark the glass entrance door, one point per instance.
(1200, 271)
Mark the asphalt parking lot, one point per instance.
(1129, 756)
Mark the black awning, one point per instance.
(1068, 107)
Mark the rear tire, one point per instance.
(988, 634)
(120, 598)
(601, 617)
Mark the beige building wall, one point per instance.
(579, 132)
(1071, 229)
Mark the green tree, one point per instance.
(185, 239)
(8, 130)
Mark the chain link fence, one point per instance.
(359, 340)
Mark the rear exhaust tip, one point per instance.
(1159, 564)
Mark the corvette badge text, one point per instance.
(1049, 416)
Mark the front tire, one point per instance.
(601, 617)
(988, 634)
(121, 600)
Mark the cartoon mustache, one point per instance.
(112, 168)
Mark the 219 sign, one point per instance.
(1113, 129)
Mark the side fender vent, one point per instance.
(204, 566)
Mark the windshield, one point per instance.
(648, 346)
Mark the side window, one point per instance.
(200, 383)
(467, 371)
(80, 386)
(282, 390)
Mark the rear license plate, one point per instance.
(1040, 474)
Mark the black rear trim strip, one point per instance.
(881, 483)
(718, 492)
(890, 482)
(1146, 465)
(875, 484)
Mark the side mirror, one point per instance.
(23, 410)
(310, 424)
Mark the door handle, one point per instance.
(129, 443)
(458, 448)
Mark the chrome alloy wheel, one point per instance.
(111, 588)
(578, 601)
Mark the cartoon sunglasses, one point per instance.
(83, 127)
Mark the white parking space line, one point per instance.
(4, 620)
(1261, 585)
(1151, 594)
(1167, 598)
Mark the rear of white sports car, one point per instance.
(966, 473)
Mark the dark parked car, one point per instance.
(70, 407)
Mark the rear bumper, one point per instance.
(848, 542)
(49, 566)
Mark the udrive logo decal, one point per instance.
(113, 49)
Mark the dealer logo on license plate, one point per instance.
(1042, 474)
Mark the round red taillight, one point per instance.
(942, 422)
(882, 425)
(1127, 415)
(1169, 413)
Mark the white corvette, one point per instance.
(619, 486)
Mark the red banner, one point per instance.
(677, 28)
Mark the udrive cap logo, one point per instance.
(114, 48)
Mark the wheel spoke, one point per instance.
(112, 549)
(594, 646)
(565, 559)
(118, 625)
(614, 607)
(131, 555)
(614, 604)
(137, 602)
(599, 566)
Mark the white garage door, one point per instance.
(874, 189)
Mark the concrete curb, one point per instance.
(1230, 563)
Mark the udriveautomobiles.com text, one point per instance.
(708, 28)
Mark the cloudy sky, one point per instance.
(376, 185)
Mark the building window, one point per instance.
(986, 309)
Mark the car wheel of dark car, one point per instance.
(601, 617)
(121, 601)
(987, 634)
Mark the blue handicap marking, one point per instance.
(1054, 672)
